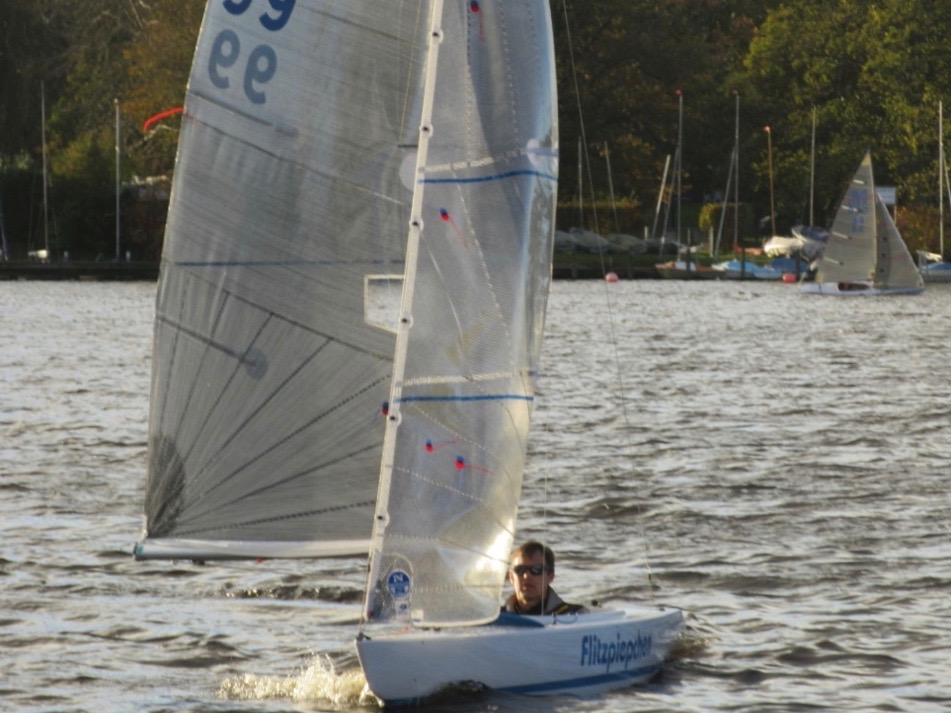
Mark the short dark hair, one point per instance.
(533, 547)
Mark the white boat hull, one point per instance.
(936, 272)
(735, 270)
(855, 289)
(581, 654)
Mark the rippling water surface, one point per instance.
(778, 463)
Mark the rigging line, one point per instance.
(610, 312)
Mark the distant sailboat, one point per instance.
(685, 267)
(807, 241)
(937, 269)
(43, 254)
(865, 254)
(349, 324)
(739, 268)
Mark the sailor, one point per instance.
(531, 572)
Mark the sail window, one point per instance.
(382, 295)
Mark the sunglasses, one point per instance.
(535, 569)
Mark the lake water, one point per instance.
(780, 462)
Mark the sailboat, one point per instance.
(934, 267)
(807, 241)
(43, 254)
(739, 268)
(686, 267)
(348, 326)
(865, 253)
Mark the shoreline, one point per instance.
(564, 267)
(81, 270)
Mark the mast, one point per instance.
(941, 179)
(580, 185)
(678, 170)
(734, 166)
(660, 197)
(772, 196)
(736, 180)
(118, 174)
(46, 212)
(607, 159)
(812, 169)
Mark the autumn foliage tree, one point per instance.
(871, 71)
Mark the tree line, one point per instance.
(866, 74)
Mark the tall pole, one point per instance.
(46, 210)
(660, 199)
(580, 185)
(607, 159)
(736, 179)
(772, 195)
(812, 170)
(941, 179)
(118, 174)
(4, 243)
(679, 168)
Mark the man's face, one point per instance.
(530, 588)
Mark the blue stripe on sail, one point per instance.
(485, 397)
(496, 177)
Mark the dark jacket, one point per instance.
(553, 604)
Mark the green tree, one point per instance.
(620, 63)
(157, 65)
(873, 72)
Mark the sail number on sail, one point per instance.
(858, 204)
(261, 63)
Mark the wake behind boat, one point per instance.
(325, 383)
(865, 254)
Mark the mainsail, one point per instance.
(850, 253)
(478, 275)
(274, 329)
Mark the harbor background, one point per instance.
(780, 461)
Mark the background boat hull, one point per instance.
(834, 288)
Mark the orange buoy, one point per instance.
(789, 278)
(611, 277)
